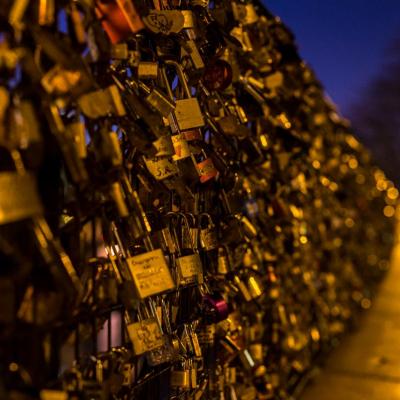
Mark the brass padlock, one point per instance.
(223, 261)
(188, 114)
(150, 273)
(145, 335)
(161, 167)
(181, 146)
(180, 378)
(190, 51)
(147, 70)
(76, 132)
(242, 288)
(19, 197)
(101, 103)
(245, 14)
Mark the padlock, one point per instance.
(164, 147)
(217, 75)
(76, 132)
(119, 18)
(19, 197)
(46, 13)
(77, 23)
(168, 22)
(166, 239)
(190, 51)
(208, 233)
(101, 103)
(180, 378)
(145, 335)
(246, 14)
(242, 288)
(168, 351)
(116, 193)
(187, 113)
(181, 147)
(205, 167)
(150, 273)
(147, 70)
(158, 100)
(187, 261)
(195, 341)
(161, 168)
(223, 260)
(215, 307)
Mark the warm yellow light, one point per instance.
(324, 180)
(392, 193)
(365, 303)
(360, 179)
(379, 174)
(353, 163)
(303, 239)
(389, 211)
(349, 222)
(337, 242)
(381, 185)
(343, 168)
(333, 186)
(315, 336)
(316, 164)
(13, 367)
(264, 141)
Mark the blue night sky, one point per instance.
(343, 40)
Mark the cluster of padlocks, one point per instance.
(183, 213)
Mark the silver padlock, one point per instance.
(188, 114)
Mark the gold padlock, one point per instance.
(161, 167)
(180, 379)
(19, 197)
(145, 335)
(150, 273)
(147, 70)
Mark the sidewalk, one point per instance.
(366, 366)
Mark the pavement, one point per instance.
(366, 365)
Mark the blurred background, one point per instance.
(354, 48)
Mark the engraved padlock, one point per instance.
(145, 334)
(150, 273)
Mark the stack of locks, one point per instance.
(183, 214)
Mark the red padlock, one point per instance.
(217, 75)
(119, 18)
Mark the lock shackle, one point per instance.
(181, 76)
(184, 217)
(173, 218)
(207, 216)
